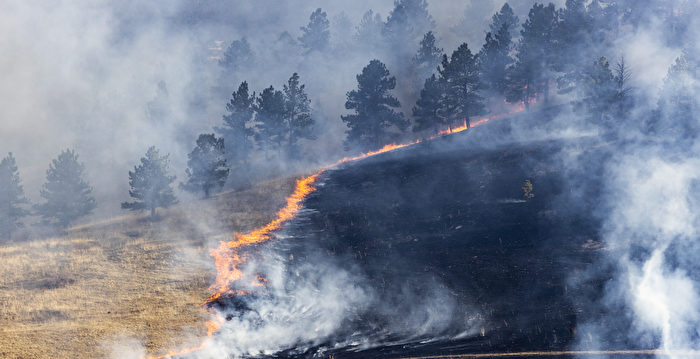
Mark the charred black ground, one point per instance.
(449, 216)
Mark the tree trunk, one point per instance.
(153, 212)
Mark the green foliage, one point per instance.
(269, 125)
(67, 195)
(536, 58)
(459, 75)
(315, 36)
(206, 165)
(12, 197)
(150, 183)
(425, 112)
(236, 132)
(298, 118)
(374, 108)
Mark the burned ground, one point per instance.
(448, 216)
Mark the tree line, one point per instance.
(518, 63)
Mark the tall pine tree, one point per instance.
(236, 131)
(428, 57)
(238, 55)
(67, 196)
(495, 61)
(150, 184)
(425, 112)
(374, 108)
(536, 59)
(459, 75)
(206, 167)
(316, 34)
(297, 112)
(12, 198)
(270, 120)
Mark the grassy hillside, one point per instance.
(75, 294)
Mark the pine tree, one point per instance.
(495, 61)
(150, 184)
(536, 58)
(316, 35)
(12, 197)
(236, 131)
(428, 57)
(459, 75)
(369, 31)
(67, 195)
(572, 35)
(297, 112)
(504, 17)
(678, 107)
(407, 22)
(425, 112)
(270, 120)
(374, 108)
(207, 167)
(599, 91)
(238, 55)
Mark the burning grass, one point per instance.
(70, 296)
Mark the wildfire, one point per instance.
(229, 259)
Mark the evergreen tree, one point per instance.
(369, 31)
(12, 197)
(428, 57)
(67, 195)
(572, 35)
(459, 75)
(297, 112)
(504, 17)
(678, 107)
(235, 131)
(315, 36)
(270, 120)
(599, 91)
(207, 167)
(150, 184)
(494, 60)
(536, 58)
(425, 112)
(374, 108)
(407, 23)
(238, 55)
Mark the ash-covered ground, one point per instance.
(441, 253)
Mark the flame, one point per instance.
(229, 259)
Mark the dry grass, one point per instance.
(70, 296)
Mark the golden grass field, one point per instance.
(122, 279)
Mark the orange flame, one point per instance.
(228, 258)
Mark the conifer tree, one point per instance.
(425, 112)
(237, 55)
(369, 31)
(206, 164)
(494, 60)
(374, 108)
(504, 17)
(459, 75)
(297, 112)
(536, 59)
(406, 23)
(236, 130)
(67, 196)
(316, 34)
(12, 198)
(428, 57)
(150, 184)
(270, 120)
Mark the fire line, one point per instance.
(229, 260)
